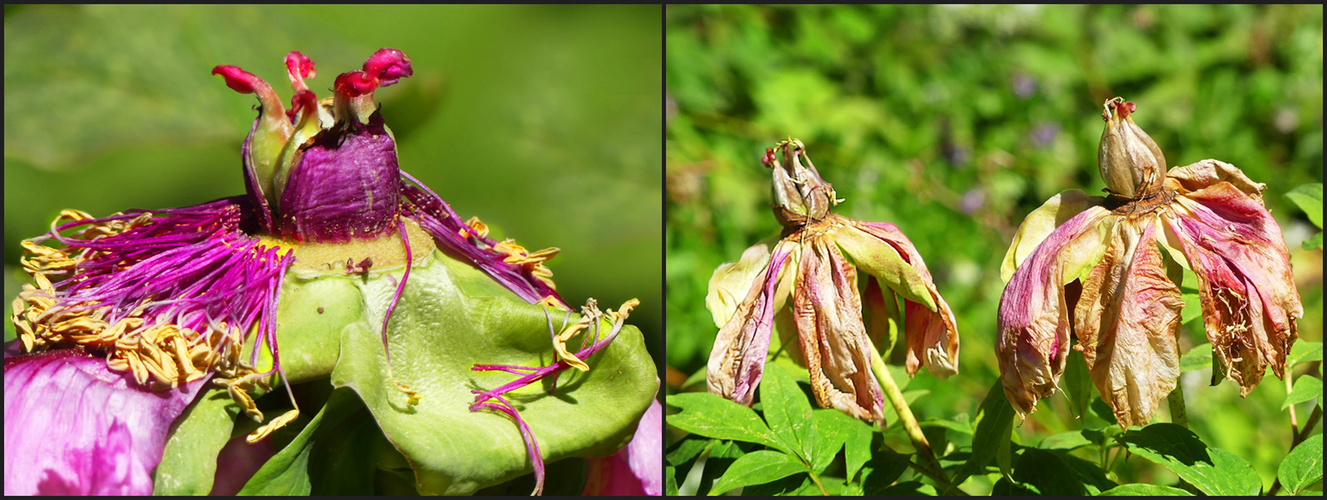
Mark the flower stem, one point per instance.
(1297, 437)
(1178, 413)
(816, 480)
(932, 466)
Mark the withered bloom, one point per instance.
(816, 261)
(1093, 266)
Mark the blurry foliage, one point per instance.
(543, 121)
(954, 122)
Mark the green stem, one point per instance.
(910, 425)
(816, 480)
(1298, 437)
(1178, 414)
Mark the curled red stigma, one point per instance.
(241, 81)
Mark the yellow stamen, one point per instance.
(275, 424)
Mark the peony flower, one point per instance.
(816, 263)
(131, 314)
(1094, 267)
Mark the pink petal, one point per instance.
(932, 333)
(637, 469)
(73, 426)
(1126, 321)
(738, 358)
(827, 308)
(1248, 293)
(1033, 319)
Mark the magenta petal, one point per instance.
(737, 360)
(74, 427)
(637, 469)
(1033, 318)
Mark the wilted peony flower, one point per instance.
(816, 261)
(1093, 266)
(133, 313)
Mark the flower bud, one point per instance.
(799, 192)
(1130, 163)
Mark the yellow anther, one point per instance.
(412, 396)
(478, 227)
(275, 424)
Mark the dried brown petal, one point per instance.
(1250, 303)
(827, 309)
(1126, 320)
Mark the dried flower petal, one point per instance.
(932, 331)
(827, 308)
(1034, 311)
(1126, 321)
(737, 360)
(1250, 303)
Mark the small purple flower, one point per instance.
(1094, 267)
(816, 263)
(132, 313)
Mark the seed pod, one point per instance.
(1129, 161)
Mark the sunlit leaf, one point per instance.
(1198, 358)
(757, 467)
(1309, 199)
(1306, 388)
(788, 413)
(712, 416)
(1212, 470)
(1301, 470)
(1144, 490)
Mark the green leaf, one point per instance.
(1314, 242)
(1309, 199)
(832, 432)
(761, 466)
(1306, 388)
(670, 486)
(1301, 470)
(788, 413)
(1304, 351)
(1144, 490)
(1198, 358)
(287, 472)
(995, 424)
(189, 461)
(450, 317)
(1064, 441)
(712, 416)
(1212, 470)
(884, 468)
(1077, 383)
(688, 449)
(1056, 472)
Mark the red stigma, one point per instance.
(388, 66)
(355, 84)
(237, 79)
(300, 64)
(768, 159)
(303, 99)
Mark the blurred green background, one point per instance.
(543, 121)
(954, 122)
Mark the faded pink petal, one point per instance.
(1126, 321)
(1033, 319)
(737, 360)
(1248, 293)
(72, 426)
(931, 333)
(827, 309)
(637, 469)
